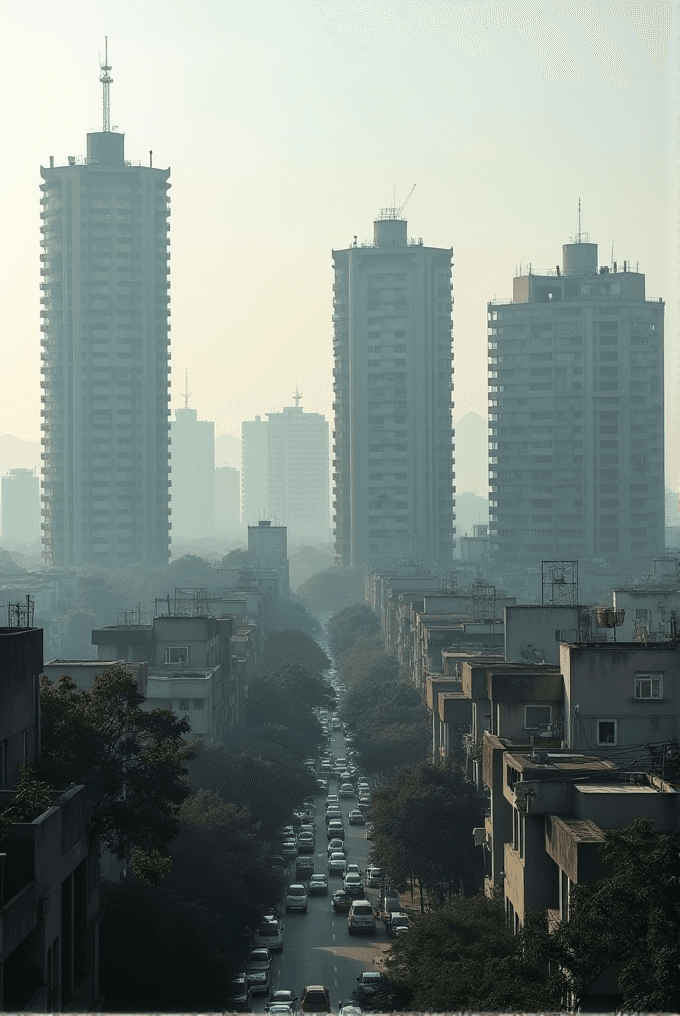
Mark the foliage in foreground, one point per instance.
(135, 758)
(422, 827)
(461, 957)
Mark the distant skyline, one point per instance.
(288, 125)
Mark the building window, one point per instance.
(606, 731)
(184, 705)
(177, 654)
(649, 686)
(641, 615)
(199, 703)
(537, 716)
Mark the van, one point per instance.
(270, 935)
(361, 918)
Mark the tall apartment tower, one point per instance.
(576, 416)
(393, 453)
(192, 458)
(105, 308)
(286, 467)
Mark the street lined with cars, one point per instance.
(321, 951)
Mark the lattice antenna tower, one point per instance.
(186, 393)
(106, 80)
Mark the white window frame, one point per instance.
(170, 650)
(607, 743)
(652, 678)
(534, 726)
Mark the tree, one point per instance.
(461, 957)
(356, 662)
(629, 919)
(350, 624)
(422, 826)
(137, 758)
(333, 589)
(293, 646)
(292, 613)
(286, 697)
(30, 799)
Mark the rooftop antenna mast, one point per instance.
(106, 80)
(297, 397)
(578, 238)
(186, 393)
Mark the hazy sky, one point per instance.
(288, 124)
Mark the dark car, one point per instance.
(341, 901)
(304, 867)
(315, 998)
(282, 995)
(240, 998)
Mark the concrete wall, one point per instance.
(20, 667)
(530, 631)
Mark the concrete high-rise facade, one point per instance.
(576, 416)
(393, 451)
(192, 458)
(20, 489)
(105, 308)
(227, 498)
(286, 471)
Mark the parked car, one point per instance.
(354, 869)
(374, 877)
(346, 790)
(322, 784)
(356, 817)
(341, 901)
(315, 998)
(296, 897)
(397, 924)
(336, 845)
(269, 933)
(389, 903)
(318, 885)
(333, 812)
(240, 995)
(332, 799)
(361, 918)
(336, 864)
(306, 843)
(363, 805)
(259, 971)
(289, 849)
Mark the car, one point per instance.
(333, 813)
(279, 1009)
(307, 827)
(336, 844)
(336, 864)
(239, 997)
(282, 997)
(336, 828)
(346, 790)
(354, 869)
(318, 884)
(356, 817)
(389, 902)
(289, 849)
(363, 787)
(304, 867)
(352, 884)
(341, 901)
(287, 832)
(361, 917)
(296, 897)
(259, 971)
(322, 784)
(332, 799)
(370, 981)
(374, 876)
(315, 998)
(269, 933)
(260, 958)
(363, 805)
(397, 924)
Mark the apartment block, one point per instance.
(20, 493)
(192, 443)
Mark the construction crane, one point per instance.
(402, 207)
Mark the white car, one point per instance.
(269, 934)
(336, 864)
(296, 897)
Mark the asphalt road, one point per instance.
(317, 946)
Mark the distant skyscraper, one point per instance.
(192, 501)
(576, 416)
(20, 507)
(227, 498)
(105, 308)
(393, 457)
(285, 471)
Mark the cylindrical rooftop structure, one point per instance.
(106, 147)
(579, 258)
(390, 232)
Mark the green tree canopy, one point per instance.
(350, 624)
(356, 662)
(136, 757)
(333, 589)
(293, 646)
(422, 826)
(461, 957)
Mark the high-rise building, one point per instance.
(286, 471)
(192, 459)
(393, 453)
(576, 416)
(105, 307)
(20, 507)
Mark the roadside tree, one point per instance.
(350, 624)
